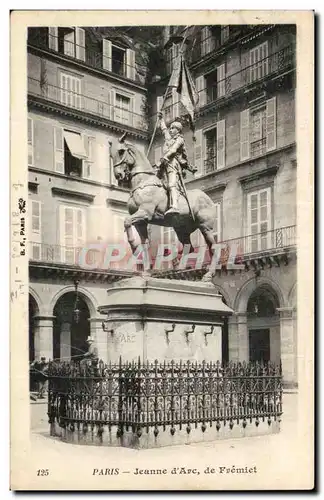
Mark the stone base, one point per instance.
(164, 438)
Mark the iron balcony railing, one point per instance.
(213, 42)
(267, 241)
(282, 60)
(210, 164)
(90, 57)
(81, 102)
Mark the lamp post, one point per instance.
(76, 310)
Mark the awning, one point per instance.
(75, 144)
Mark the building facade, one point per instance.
(86, 87)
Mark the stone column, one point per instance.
(243, 337)
(44, 336)
(233, 340)
(287, 347)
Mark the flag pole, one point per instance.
(165, 94)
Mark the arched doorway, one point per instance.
(263, 324)
(69, 333)
(32, 312)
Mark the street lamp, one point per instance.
(76, 311)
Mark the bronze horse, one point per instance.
(148, 200)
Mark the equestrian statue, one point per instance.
(158, 194)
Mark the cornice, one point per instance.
(265, 172)
(71, 193)
(39, 102)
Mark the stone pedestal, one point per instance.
(160, 319)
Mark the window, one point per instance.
(118, 60)
(53, 38)
(225, 33)
(71, 91)
(30, 142)
(72, 233)
(214, 140)
(207, 41)
(118, 63)
(202, 90)
(172, 54)
(35, 230)
(258, 221)
(258, 130)
(168, 107)
(259, 62)
(74, 43)
(215, 84)
(122, 109)
(73, 153)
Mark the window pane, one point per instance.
(254, 201)
(254, 216)
(263, 198)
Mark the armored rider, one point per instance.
(174, 160)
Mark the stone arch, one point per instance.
(36, 299)
(292, 296)
(243, 295)
(85, 294)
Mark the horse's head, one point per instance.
(125, 160)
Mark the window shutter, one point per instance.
(30, 142)
(53, 38)
(271, 125)
(77, 95)
(130, 64)
(58, 150)
(159, 102)
(221, 80)
(176, 112)
(245, 135)
(112, 103)
(88, 163)
(201, 89)
(157, 154)
(264, 57)
(205, 40)
(221, 144)
(106, 54)
(35, 230)
(80, 44)
(198, 156)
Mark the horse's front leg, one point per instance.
(139, 218)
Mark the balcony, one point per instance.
(273, 65)
(89, 57)
(80, 103)
(276, 240)
(224, 35)
(210, 165)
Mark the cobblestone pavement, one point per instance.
(279, 461)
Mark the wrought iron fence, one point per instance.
(81, 102)
(137, 396)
